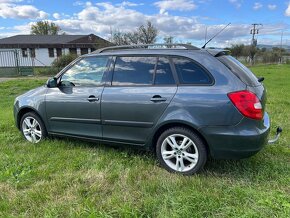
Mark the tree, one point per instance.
(168, 40)
(237, 50)
(250, 51)
(45, 28)
(145, 34)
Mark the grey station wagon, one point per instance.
(186, 103)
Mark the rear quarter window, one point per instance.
(189, 72)
(240, 70)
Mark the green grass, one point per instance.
(63, 177)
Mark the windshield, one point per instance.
(240, 70)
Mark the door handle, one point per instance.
(157, 98)
(92, 98)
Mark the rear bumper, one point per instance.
(237, 142)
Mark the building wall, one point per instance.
(8, 58)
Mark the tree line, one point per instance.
(263, 55)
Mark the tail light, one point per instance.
(247, 103)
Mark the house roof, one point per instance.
(21, 41)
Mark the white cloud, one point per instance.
(56, 16)
(272, 7)
(129, 4)
(257, 6)
(11, 10)
(236, 3)
(101, 18)
(179, 5)
(287, 11)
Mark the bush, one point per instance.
(46, 71)
(64, 60)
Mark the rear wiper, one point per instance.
(261, 79)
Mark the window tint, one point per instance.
(189, 72)
(239, 70)
(87, 71)
(134, 70)
(163, 72)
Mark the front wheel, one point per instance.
(32, 127)
(180, 150)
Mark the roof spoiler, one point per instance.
(218, 52)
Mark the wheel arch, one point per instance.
(25, 110)
(169, 125)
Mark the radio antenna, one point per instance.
(215, 35)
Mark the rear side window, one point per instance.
(134, 71)
(163, 75)
(241, 71)
(190, 72)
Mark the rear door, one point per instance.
(141, 89)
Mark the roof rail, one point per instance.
(148, 46)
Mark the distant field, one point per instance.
(62, 177)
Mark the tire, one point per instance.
(32, 127)
(180, 150)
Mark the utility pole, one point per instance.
(255, 31)
(281, 46)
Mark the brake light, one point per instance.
(247, 103)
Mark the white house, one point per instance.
(42, 50)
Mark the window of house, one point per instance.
(24, 52)
(51, 52)
(32, 52)
(88, 71)
(84, 51)
(93, 49)
(134, 70)
(73, 51)
(163, 74)
(190, 72)
(58, 52)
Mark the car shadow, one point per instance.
(253, 168)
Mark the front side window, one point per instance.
(134, 70)
(88, 71)
(190, 72)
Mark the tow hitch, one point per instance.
(278, 132)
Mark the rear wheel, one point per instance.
(180, 150)
(32, 127)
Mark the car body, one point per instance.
(137, 95)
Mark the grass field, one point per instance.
(62, 177)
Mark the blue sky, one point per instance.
(185, 20)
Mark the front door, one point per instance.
(142, 87)
(73, 108)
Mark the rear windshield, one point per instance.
(241, 71)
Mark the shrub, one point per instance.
(64, 60)
(46, 71)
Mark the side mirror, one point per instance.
(52, 82)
